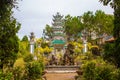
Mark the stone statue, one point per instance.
(32, 36)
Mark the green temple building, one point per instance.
(58, 40)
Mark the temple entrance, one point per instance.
(61, 55)
(60, 58)
(68, 58)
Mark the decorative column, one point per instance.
(84, 33)
(32, 42)
(85, 46)
(32, 47)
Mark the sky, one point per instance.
(35, 14)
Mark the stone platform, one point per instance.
(61, 69)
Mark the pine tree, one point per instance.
(116, 6)
(8, 39)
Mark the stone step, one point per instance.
(61, 69)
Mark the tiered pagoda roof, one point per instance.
(58, 30)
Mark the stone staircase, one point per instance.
(61, 69)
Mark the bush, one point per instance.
(109, 52)
(28, 57)
(95, 51)
(94, 70)
(112, 52)
(18, 73)
(33, 70)
(89, 71)
(104, 72)
(18, 69)
(6, 76)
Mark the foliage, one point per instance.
(47, 50)
(18, 69)
(39, 52)
(28, 68)
(18, 73)
(78, 47)
(9, 45)
(95, 50)
(89, 71)
(70, 48)
(96, 24)
(99, 70)
(25, 38)
(104, 72)
(104, 22)
(117, 72)
(72, 26)
(28, 57)
(108, 52)
(23, 48)
(33, 70)
(88, 23)
(42, 43)
(49, 31)
(116, 5)
(117, 52)
(111, 53)
(19, 63)
(5, 76)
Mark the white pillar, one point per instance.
(85, 46)
(31, 47)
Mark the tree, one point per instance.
(48, 31)
(100, 22)
(33, 70)
(9, 45)
(103, 23)
(116, 5)
(88, 23)
(72, 26)
(96, 24)
(109, 24)
(25, 38)
(23, 48)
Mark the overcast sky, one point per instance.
(35, 14)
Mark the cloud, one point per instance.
(35, 14)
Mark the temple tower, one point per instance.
(58, 40)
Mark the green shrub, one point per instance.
(94, 70)
(112, 52)
(6, 76)
(89, 71)
(104, 72)
(109, 52)
(18, 73)
(117, 74)
(33, 70)
(28, 57)
(18, 69)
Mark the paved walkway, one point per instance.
(60, 76)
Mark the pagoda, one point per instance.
(58, 40)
